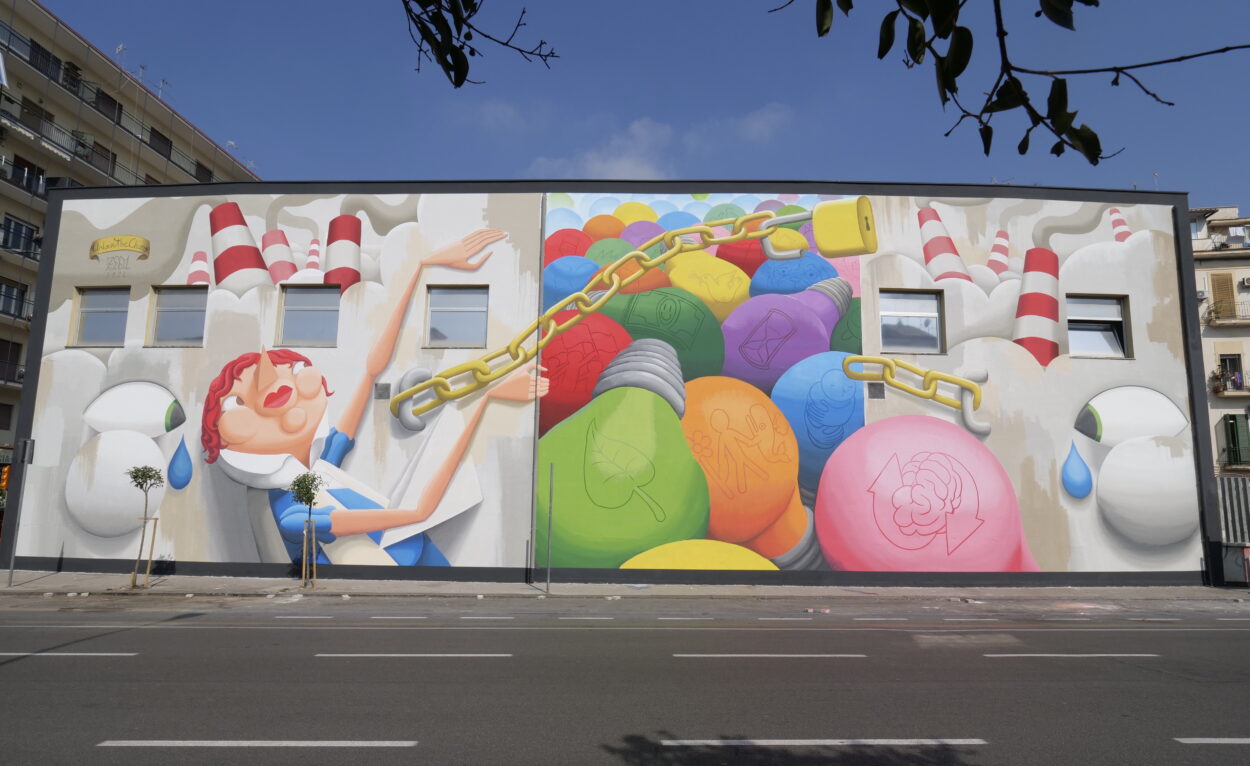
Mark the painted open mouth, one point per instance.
(279, 397)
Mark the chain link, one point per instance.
(929, 379)
(517, 351)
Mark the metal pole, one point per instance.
(551, 512)
(24, 454)
(151, 551)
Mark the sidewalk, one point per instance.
(40, 584)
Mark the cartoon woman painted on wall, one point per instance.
(265, 420)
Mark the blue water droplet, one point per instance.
(180, 468)
(1077, 479)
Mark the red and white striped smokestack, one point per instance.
(1037, 311)
(237, 262)
(1119, 226)
(998, 254)
(278, 257)
(314, 255)
(198, 273)
(343, 252)
(941, 259)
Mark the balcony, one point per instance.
(12, 373)
(70, 80)
(1227, 314)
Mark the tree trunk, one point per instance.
(142, 535)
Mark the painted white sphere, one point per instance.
(98, 493)
(1147, 490)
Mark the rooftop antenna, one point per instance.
(1156, 175)
(160, 86)
(120, 52)
(142, 68)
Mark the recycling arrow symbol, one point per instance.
(962, 517)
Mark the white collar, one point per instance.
(271, 471)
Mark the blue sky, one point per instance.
(697, 89)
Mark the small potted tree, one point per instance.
(145, 478)
(304, 489)
(1218, 380)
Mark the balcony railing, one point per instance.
(91, 94)
(18, 308)
(1227, 311)
(12, 372)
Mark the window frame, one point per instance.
(284, 308)
(939, 315)
(154, 315)
(1125, 335)
(431, 309)
(80, 312)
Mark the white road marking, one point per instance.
(414, 655)
(970, 619)
(1159, 619)
(486, 617)
(814, 742)
(1213, 740)
(1233, 619)
(881, 619)
(685, 618)
(1067, 619)
(771, 656)
(302, 617)
(68, 654)
(785, 619)
(587, 618)
(397, 618)
(1069, 655)
(256, 743)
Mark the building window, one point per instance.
(151, 180)
(27, 174)
(160, 142)
(102, 158)
(6, 417)
(13, 300)
(102, 316)
(11, 370)
(310, 315)
(33, 115)
(107, 106)
(203, 173)
(1230, 372)
(42, 59)
(911, 322)
(456, 317)
(179, 318)
(1195, 229)
(16, 234)
(1097, 327)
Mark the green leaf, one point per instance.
(614, 471)
(1059, 12)
(943, 14)
(1058, 148)
(915, 40)
(944, 83)
(824, 17)
(1008, 96)
(916, 7)
(987, 137)
(958, 54)
(887, 34)
(846, 6)
(1023, 147)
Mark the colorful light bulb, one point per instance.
(625, 480)
(719, 284)
(679, 319)
(769, 334)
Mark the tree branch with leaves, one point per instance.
(446, 35)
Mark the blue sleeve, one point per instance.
(291, 515)
(337, 447)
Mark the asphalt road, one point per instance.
(500, 681)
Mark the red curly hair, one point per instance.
(210, 436)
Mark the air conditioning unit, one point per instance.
(1245, 282)
(1202, 295)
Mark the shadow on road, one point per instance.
(648, 751)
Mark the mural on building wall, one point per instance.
(762, 381)
(754, 323)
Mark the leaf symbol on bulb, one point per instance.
(615, 471)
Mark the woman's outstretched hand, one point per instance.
(457, 254)
(524, 384)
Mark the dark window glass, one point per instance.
(102, 316)
(160, 142)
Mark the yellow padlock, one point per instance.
(844, 227)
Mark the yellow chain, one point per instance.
(518, 354)
(929, 379)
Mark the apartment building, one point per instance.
(71, 117)
(1222, 259)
